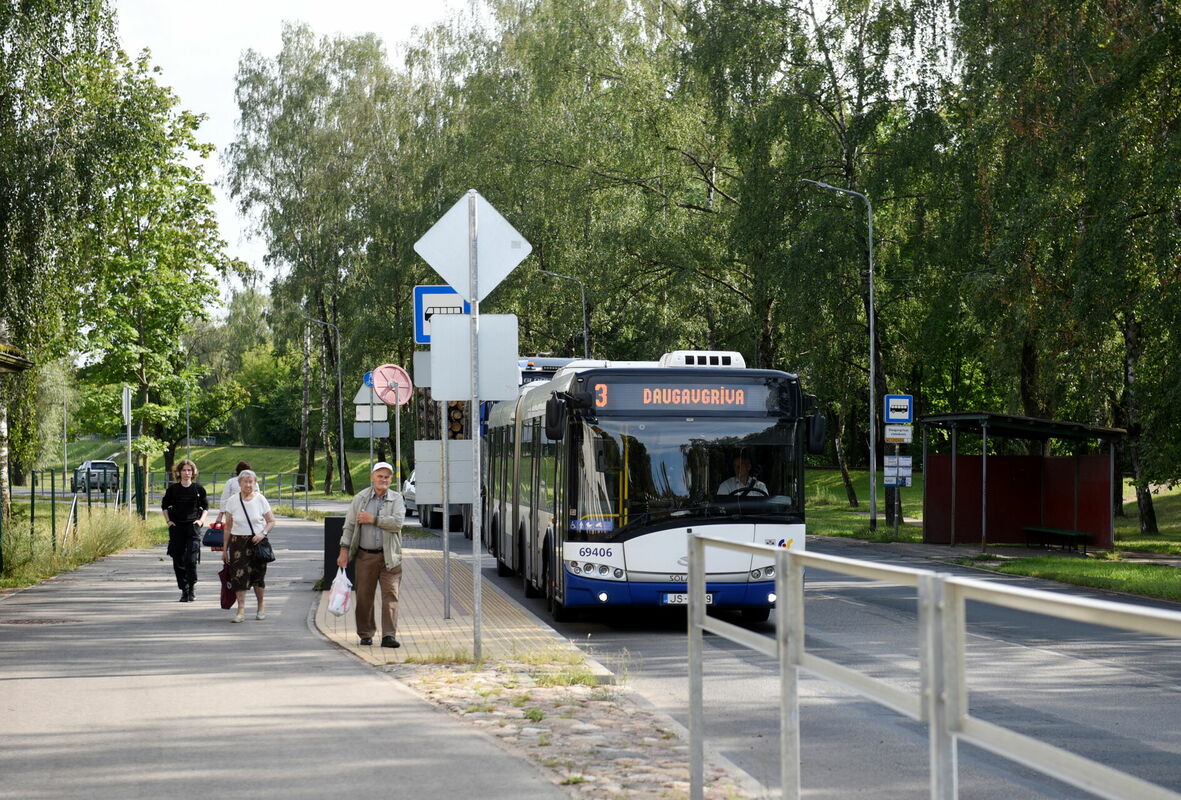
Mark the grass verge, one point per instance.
(1149, 580)
(32, 554)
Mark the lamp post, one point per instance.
(585, 322)
(188, 431)
(873, 466)
(339, 404)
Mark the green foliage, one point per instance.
(1022, 164)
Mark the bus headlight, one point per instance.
(602, 597)
(604, 569)
(618, 573)
(588, 568)
(769, 572)
(755, 574)
(771, 597)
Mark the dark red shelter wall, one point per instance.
(1016, 497)
(1092, 513)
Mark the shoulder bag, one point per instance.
(262, 550)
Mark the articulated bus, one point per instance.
(594, 478)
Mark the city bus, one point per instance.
(594, 478)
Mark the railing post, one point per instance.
(789, 631)
(933, 687)
(53, 511)
(696, 668)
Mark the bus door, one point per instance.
(532, 534)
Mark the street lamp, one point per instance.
(585, 322)
(873, 467)
(339, 404)
(188, 395)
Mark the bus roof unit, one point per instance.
(703, 358)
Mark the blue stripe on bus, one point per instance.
(581, 591)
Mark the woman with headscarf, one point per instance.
(248, 521)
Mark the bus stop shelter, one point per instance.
(993, 499)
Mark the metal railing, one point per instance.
(942, 699)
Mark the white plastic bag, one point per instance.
(338, 596)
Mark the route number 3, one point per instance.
(600, 395)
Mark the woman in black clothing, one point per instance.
(185, 507)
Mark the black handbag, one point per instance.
(262, 551)
(214, 536)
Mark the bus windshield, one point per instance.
(633, 475)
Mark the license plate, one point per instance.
(682, 599)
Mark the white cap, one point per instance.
(382, 465)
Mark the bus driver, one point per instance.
(743, 483)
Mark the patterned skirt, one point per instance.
(245, 570)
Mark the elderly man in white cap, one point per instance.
(373, 537)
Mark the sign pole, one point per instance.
(371, 427)
(474, 424)
(897, 492)
(126, 472)
(446, 511)
(398, 440)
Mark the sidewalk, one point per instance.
(111, 689)
(508, 631)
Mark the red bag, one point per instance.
(228, 595)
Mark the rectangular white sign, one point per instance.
(365, 430)
(899, 434)
(381, 412)
(422, 369)
(428, 481)
(451, 358)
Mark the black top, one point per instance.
(185, 504)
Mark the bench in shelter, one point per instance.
(1069, 540)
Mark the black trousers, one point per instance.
(184, 545)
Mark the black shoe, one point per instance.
(390, 641)
(366, 640)
(184, 597)
(192, 594)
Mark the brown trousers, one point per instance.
(370, 571)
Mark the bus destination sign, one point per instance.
(654, 396)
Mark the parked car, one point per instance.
(104, 476)
(408, 495)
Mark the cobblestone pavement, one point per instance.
(598, 741)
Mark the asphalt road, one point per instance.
(1108, 695)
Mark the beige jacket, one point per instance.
(389, 519)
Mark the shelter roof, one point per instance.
(1020, 427)
(12, 359)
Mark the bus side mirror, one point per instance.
(555, 419)
(817, 433)
(809, 403)
(581, 400)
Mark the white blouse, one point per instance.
(255, 510)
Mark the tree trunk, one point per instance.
(5, 489)
(324, 436)
(836, 421)
(1133, 347)
(305, 443)
(169, 460)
